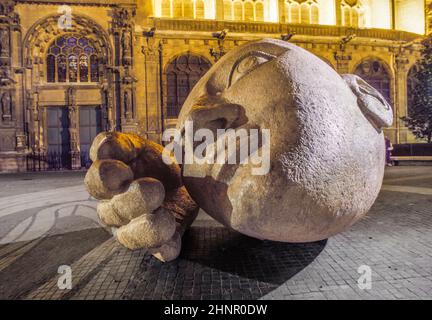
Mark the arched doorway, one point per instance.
(71, 59)
(374, 72)
(182, 74)
(70, 90)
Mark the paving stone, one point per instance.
(395, 240)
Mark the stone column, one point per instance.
(400, 100)
(12, 136)
(7, 78)
(17, 71)
(107, 107)
(342, 59)
(122, 28)
(73, 128)
(31, 116)
(151, 84)
(428, 16)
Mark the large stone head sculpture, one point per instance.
(326, 143)
(319, 136)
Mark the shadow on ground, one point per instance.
(217, 263)
(42, 259)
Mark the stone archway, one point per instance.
(182, 73)
(48, 88)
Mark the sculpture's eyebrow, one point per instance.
(261, 54)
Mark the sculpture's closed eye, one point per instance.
(247, 64)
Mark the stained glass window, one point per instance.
(228, 10)
(166, 8)
(94, 68)
(72, 42)
(301, 11)
(304, 11)
(61, 41)
(314, 14)
(73, 68)
(259, 8)
(72, 58)
(177, 8)
(238, 11)
(182, 74)
(88, 50)
(353, 13)
(51, 68)
(188, 9)
(199, 11)
(83, 42)
(295, 13)
(61, 68)
(83, 68)
(244, 10)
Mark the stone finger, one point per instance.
(170, 250)
(108, 215)
(113, 145)
(142, 197)
(106, 178)
(148, 231)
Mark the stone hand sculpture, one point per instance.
(140, 196)
(326, 155)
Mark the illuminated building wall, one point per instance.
(352, 13)
(130, 64)
(409, 15)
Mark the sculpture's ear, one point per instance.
(214, 113)
(371, 102)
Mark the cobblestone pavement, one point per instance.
(57, 225)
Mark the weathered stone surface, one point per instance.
(108, 215)
(145, 212)
(148, 230)
(169, 250)
(182, 207)
(326, 155)
(373, 105)
(143, 156)
(327, 147)
(143, 197)
(106, 178)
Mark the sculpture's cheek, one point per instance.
(319, 187)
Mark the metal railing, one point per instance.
(53, 161)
